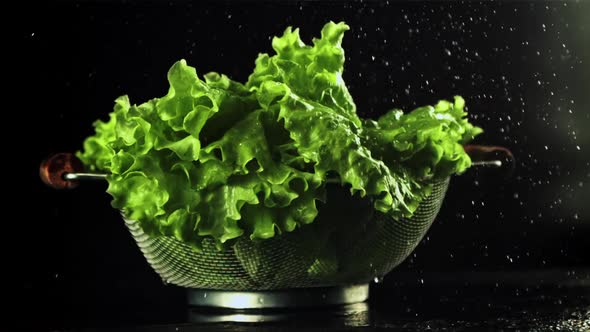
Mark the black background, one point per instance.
(522, 67)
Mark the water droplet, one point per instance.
(378, 280)
(260, 300)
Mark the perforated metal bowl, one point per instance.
(350, 245)
(330, 261)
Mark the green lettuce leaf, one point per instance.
(215, 158)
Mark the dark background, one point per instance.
(522, 67)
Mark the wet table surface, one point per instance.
(543, 300)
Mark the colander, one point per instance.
(378, 244)
(330, 261)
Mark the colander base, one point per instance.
(295, 297)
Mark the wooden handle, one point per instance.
(53, 170)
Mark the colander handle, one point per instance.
(489, 155)
(64, 170)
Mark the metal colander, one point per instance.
(330, 261)
(353, 244)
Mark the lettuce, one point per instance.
(221, 159)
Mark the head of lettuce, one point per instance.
(219, 159)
